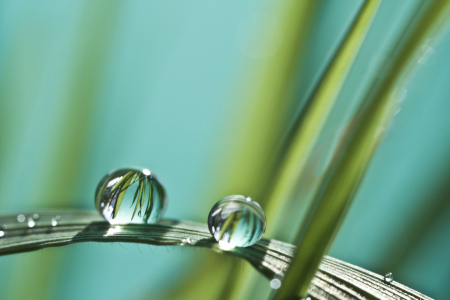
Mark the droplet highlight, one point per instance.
(130, 195)
(235, 221)
(389, 277)
(31, 222)
(54, 222)
(2, 233)
(20, 218)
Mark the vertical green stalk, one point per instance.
(308, 131)
(325, 216)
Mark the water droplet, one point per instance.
(54, 222)
(130, 195)
(275, 283)
(186, 241)
(31, 222)
(389, 277)
(20, 218)
(57, 218)
(2, 233)
(234, 221)
(4, 226)
(35, 216)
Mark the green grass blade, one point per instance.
(324, 218)
(334, 280)
(309, 129)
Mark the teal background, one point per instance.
(89, 86)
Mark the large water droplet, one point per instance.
(236, 221)
(130, 195)
(54, 222)
(389, 277)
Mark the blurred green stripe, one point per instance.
(59, 180)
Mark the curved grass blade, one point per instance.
(335, 279)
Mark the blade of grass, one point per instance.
(334, 278)
(325, 216)
(309, 129)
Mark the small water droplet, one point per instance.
(54, 222)
(235, 221)
(2, 233)
(57, 218)
(20, 218)
(248, 199)
(389, 277)
(31, 222)
(275, 283)
(4, 226)
(186, 241)
(35, 216)
(130, 195)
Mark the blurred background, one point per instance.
(183, 88)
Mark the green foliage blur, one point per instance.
(89, 86)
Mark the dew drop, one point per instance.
(130, 195)
(4, 226)
(20, 218)
(2, 233)
(54, 222)
(57, 218)
(186, 241)
(35, 216)
(31, 222)
(275, 283)
(389, 277)
(236, 221)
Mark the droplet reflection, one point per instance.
(236, 221)
(389, 277)
(130, 195)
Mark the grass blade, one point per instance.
(318, 230)
(335, 278)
